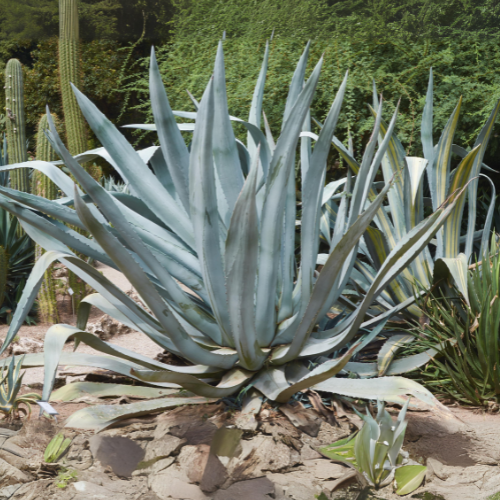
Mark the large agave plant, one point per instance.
(406, 206)
(207, 240)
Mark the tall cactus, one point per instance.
(16, 124)
(43, 186)
(69, 72)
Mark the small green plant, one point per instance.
(65, 477)
(375, 452)
(10, 384)
(56, 448)
(462, 327)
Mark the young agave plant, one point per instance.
(376, 452)
(217, 217)
(406, 206)
(10, 384)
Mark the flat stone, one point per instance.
(91, 489)
(8, 491)
(215, 474)
(253, 489)
(259, 455)
(193, 460)
(172, 483)
(307, 453)
(324, 469)
(121, 454)
(183, 414)
(297, 485)
(348, 477)
(10, 475)
(163, 447)
(197, 432)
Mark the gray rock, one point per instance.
(10, 475)
(172, 483)
(7, 492)
(253, 489)
(121, 454)
(106, 327)
(163, 447)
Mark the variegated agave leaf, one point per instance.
(206, 237)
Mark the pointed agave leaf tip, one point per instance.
(224, 35)
(272, 36)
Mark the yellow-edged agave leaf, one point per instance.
(100, 417)
(458, 269)
(408, 478)
(390, 349)
(452, 227)
(341, 451)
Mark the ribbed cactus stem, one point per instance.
(16, 124)
(69, 71)
(43, 186)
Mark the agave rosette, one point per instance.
(405, 208)
(207, 239)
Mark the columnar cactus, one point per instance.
(43, 186)
(16, 124)
(69, 71)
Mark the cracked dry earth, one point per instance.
(209, 453)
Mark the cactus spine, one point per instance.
(16, 124)
(43, 186)
(69, 71)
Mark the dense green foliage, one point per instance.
(400, 70)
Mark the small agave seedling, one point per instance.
(376, 452)
(10, 384)
(56, 448)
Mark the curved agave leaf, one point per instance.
(273, 384)
(489, 218)
(272, 212)
(408, 478)
(458, 269)
(58, 335)
(225, 152)
(173, 147)
(396, 367)
(388, 389)
(325, 281)
(184, 343)
(256, 106)
(135, 170)
(205, 216)
(100, 417)
(451, 229)
(426, 128)
(230, 383)
(390, 349)
(482, 143)
(242, 246)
